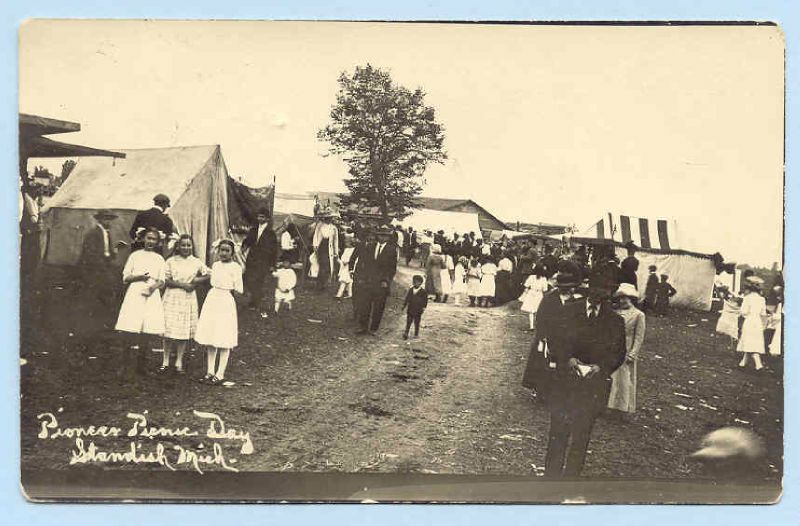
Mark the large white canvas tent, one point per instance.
(435, 220)
(194, 178)
(691, 273)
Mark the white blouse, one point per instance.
(227, 276)
(185, 269)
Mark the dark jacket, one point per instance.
(263, 252)
(416, 302)
(374, 271)
(93, 252)
(152, 218)
(651, 288)
(628, 269)
(599, 341)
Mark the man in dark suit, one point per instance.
(156, 218)
(100, 277)
(551, 331)
(261, 245)
(593, 349)
(629, 266)
(374, 272)
(549, 262)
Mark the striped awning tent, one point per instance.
(644, 232)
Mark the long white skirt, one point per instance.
(140, 313)
(447, 285)
(218, 325)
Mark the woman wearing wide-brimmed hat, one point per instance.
(623, 380)
(326, 246)
(754, 312)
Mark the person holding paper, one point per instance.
(594, 349)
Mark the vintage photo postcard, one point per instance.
(401, 262)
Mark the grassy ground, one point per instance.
(314, 397)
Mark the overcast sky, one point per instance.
(557, 124)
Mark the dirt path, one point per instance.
(314, 397)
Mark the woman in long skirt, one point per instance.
(142, 312)
(433, 272)
(459, 289)
(754, 312)
(623, 380)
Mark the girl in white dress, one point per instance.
(184, 271)
(728, 322)
(459, 288)
(287, 281)
(474, 282)
(447, 279)
(488, 286)
(535, 286)
(218, 326)
(142, 312)
(345, 278)
(754, 312)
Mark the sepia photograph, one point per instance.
(274, 261)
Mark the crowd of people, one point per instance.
(584, 307)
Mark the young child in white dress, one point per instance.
(184, 271)
(142, 312)
(535, 286)
(218, 326)
(287, 281)
(345, 278)
(460, 280)
(728, 322)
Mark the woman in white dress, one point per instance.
(142, 312)
(535, 286)
(488, 286)
(184, 271)
(218, 326)
(754, 312)
(728, 322)
(623, 381)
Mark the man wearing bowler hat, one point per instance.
(375, 270)
(156, 217)
(551, 329)
(593, 348)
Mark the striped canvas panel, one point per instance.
(644, 232)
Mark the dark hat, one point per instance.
(263, 211)
(569, 274)
(602, 284)
(105, 214)
(383, 230)
(161, 199)
(651, 268)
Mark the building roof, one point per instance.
(32, 144)
(543, 229)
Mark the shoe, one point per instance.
(264, 315)
(405, 336)
(163, 369)
(215, 381)
(206, 379)
(180, 370)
